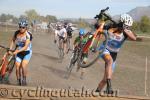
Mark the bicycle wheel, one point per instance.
(71, 64)
(10, 66)
(2, 70)
(93, 52)
(61, 50)
(3, 66)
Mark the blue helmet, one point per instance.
(81, 32)
(23, 23)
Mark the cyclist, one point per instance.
(117, 35)
(61, 33)
(81, 40)
(22, 40)
(69, 33)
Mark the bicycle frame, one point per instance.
(99, 38)
(5, 62)
(98, 33)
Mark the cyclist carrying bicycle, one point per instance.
(22, 39)
(78, 42)
(61, 34)
(117, 35)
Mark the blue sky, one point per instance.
(69, 8)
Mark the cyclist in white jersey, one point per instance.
(22, 40)
(117, 36)
(61, 34)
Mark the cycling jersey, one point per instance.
(61, 32)
(113, 46)
(20, 43)
(115, 41)
(83, 41)
(69, 31)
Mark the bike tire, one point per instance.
(3, 65)
(61, 51)
(69, 70)
(71, 64)
(99, 52)
(10, 67)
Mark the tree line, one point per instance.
(30, 15)
(142, 26)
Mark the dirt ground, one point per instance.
(46, 70)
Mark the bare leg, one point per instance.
(24, 70)
(18, 68)
(18, 72)
(108, 72)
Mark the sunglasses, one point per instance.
(22, 27)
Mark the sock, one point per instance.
(108, 83)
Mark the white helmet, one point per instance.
(126, 19)
(69, 24)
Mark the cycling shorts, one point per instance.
(62, 38)
(24, 55)
(108, 54)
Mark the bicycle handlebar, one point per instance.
(8, 49)
(103, 10)
(102, 13)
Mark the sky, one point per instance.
(70, 8)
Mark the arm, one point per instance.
(11, 44)
(65, 32)
(24, 48)
(55, 36)
(75, 43)
(130, 34)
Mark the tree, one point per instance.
(6, 17)
(3, 18)
(82, 23)
(31, 15)
(145, 24)
(50, 18)
(136, 26)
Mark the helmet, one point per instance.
(59, 26)
(81, 32)
(23, 23)
(126, 19)
(70, 24)
(65, 24)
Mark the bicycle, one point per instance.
(92, 46)
(60, 49)
(6, 65)
(74, 59)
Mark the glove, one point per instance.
(93, 49)
(55, 41)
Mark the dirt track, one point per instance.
(45, 70)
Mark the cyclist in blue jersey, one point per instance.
(117, 35)
(22, 40)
